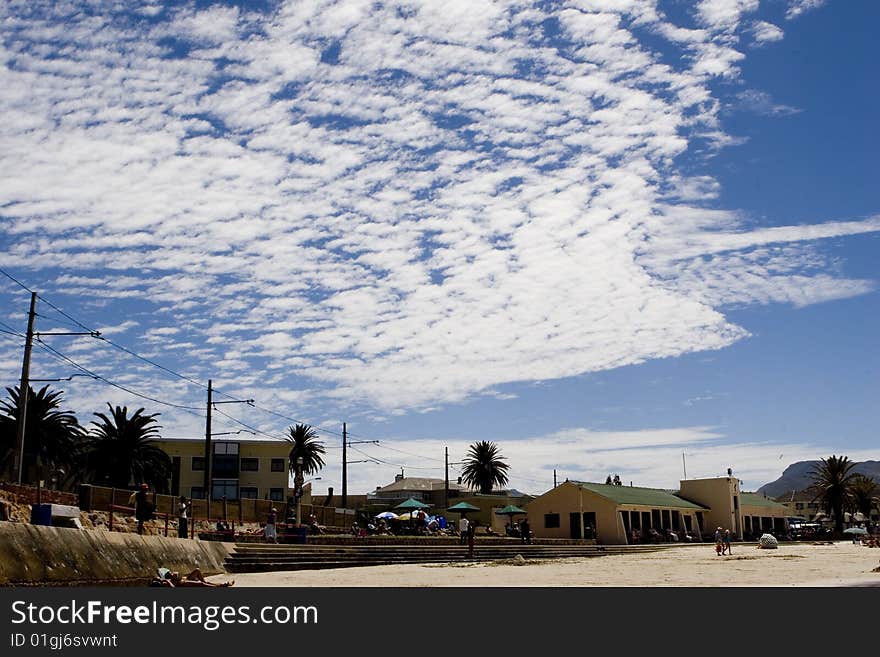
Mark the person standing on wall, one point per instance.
(143, 507)
(463, 525)
(183, 508)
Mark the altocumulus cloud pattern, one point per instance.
(403, 203)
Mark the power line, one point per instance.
(92, 374)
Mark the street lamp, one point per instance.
(298, 486)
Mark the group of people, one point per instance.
(722, 542)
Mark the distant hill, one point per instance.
(797, 477)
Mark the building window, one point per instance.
(224, 488)
(225, 462)
(226, 448)
(276, 494)
(551, 521)
(197, 493)
(247, 493)
(198, 463)
(277, 465)
(250, 464)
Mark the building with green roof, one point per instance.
(616, 514)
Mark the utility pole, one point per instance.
(207, 481)
(554, 477)
(446, 490)
(208, 434)
(24, 391)
(344, 470)
(345, 442)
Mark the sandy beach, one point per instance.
(837, 564)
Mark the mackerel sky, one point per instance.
(612, 236)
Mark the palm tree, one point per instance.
(484, 467)
(122, 452)
(304, 443)
(864, 495)
(53, 439)
(832, 485)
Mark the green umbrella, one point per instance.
(463, 507)
(411, 504)
(510, 510)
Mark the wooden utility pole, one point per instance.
(24, 391)
(207, 484)
(344, 470)
(446, 489)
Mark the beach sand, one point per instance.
(798, 564)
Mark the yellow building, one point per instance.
(609, 513)
(247, 469)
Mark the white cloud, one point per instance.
(764, 32)
(401, 208)
(798, 7)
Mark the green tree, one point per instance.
(864, 494)
(484, 468)
(122, 450)
(304, 443)
(54, 439)
(832, 486)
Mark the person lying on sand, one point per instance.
(172, 579)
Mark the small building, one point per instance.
(255, 469)
(760, 514)
(610, 513)
(424, 489)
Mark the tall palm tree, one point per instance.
(304, 443)
(864, 494)
(484, 467)
(832, 485)
(53, 440)
(122, 452)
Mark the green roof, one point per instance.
(642, 496)
(756, 499)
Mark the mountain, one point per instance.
(797, 477)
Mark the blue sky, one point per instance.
(612, 236)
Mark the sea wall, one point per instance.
(36, 555)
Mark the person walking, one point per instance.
(525, 531)
(269, 530)
(183, 508)
(727, 549)
(463, 525)
(718, 542)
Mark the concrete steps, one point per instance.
(249, 557)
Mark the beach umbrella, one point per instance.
(855, 530)
(510, 510)
(387, 515)
(463, 508)
(412, 504)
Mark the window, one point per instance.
(276, 494)
(197, 493)
(247, 493)
(198, 463)
(551, 520)
(277, 465)
(224, 488)
(250, 464)
(225, 462)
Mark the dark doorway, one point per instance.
(574, 520)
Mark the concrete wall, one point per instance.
(34, 555)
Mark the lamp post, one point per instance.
(298, 486)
